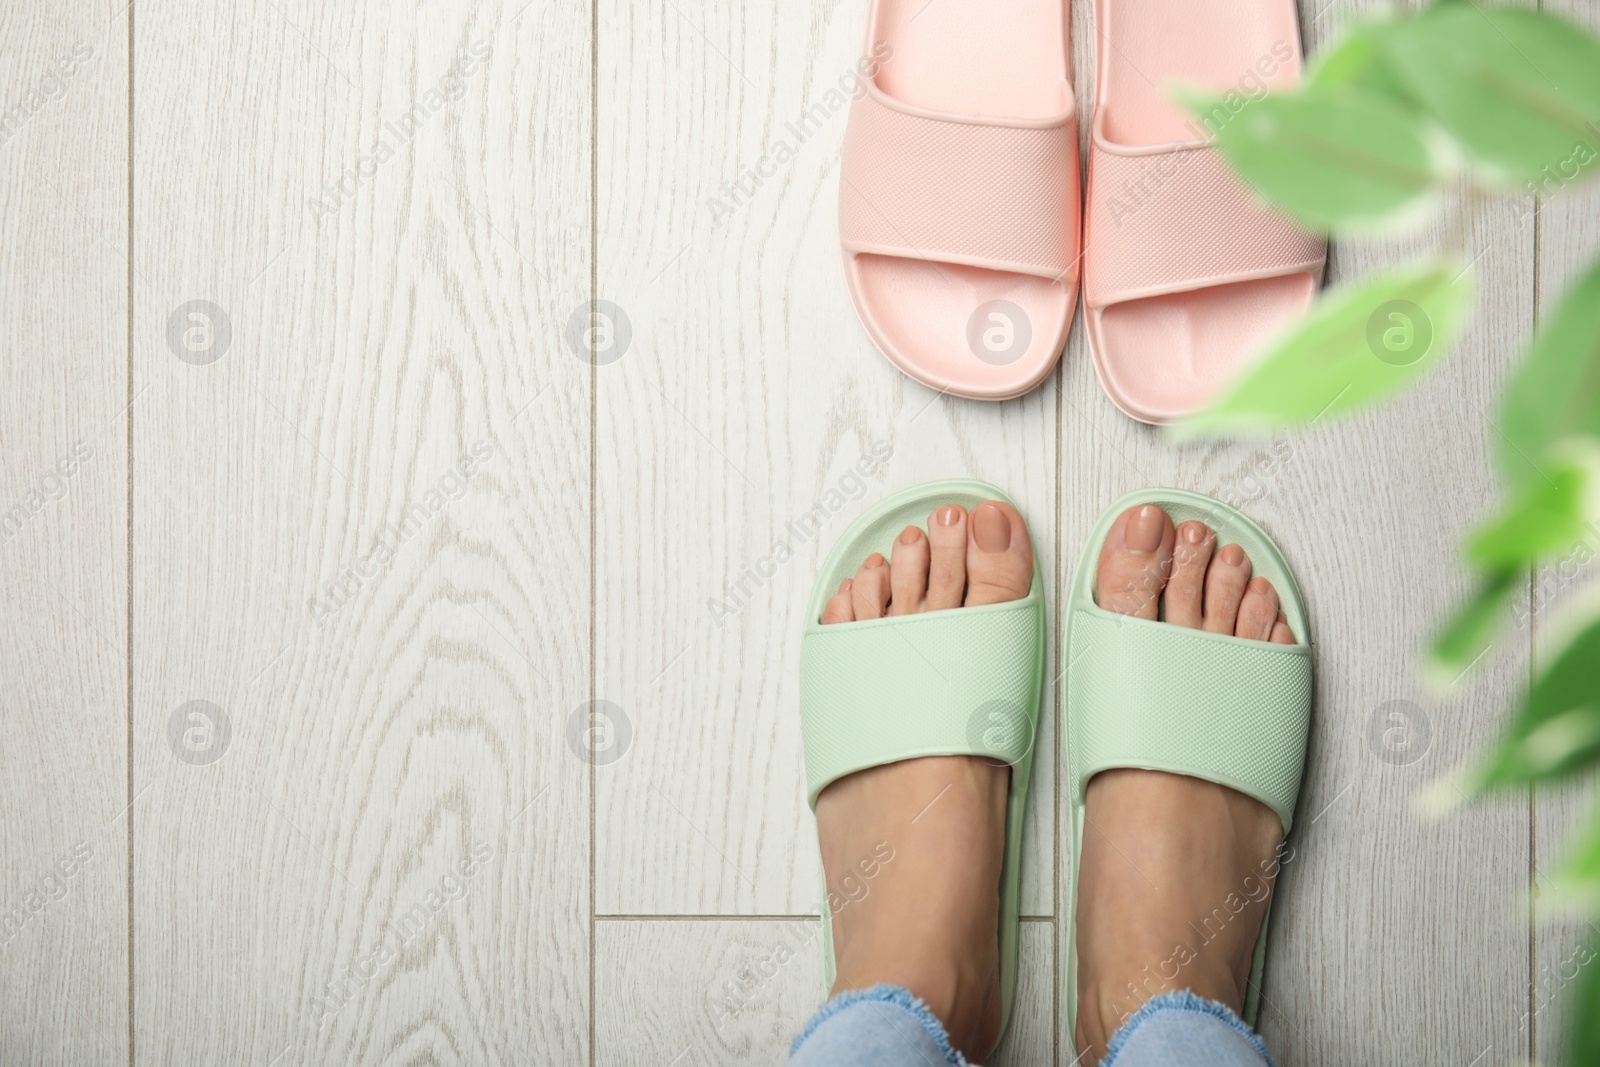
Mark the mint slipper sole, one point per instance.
(1150, 695)
(959, 682)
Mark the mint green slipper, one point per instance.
(961, 682)
(1168, 698)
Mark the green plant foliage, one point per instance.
(1583, 1042)
(1356, 62)
(1356, 345)
(1515, 94)
(1577, 879)
(1557, 730)
(1472, 629)
(1519, 90)
(1545, 518)
(1352, 158)
(1555, 393)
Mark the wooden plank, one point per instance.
(691, 992)
(361, 532)
(1563, 943)
(737, 437)
(63, 533)
(1380, 901)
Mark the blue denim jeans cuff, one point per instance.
(1183, 1001)
(896, 997)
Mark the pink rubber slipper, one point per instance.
(958, 192)
(1186, 272)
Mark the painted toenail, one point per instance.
(990, 528)
(909, 535)
(875, 560)
(1144, 532)
(1233, 555)
(948, 515)
(1193, 534)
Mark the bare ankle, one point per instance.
(1106, 1004)
(961, 993)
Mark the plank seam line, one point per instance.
(594, 416)
(128, 537)
(1533, 666)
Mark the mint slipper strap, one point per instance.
(960, 682)
(1169, 698)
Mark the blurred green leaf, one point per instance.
(1356, 61)
(1520, 90)
(1583, 1042)
(1354, 346)
(1555, 392)
(1557, 730)
(1577, 879)
(1472, 629)
(1546, 517)
(1353, 158)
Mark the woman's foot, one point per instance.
(912, 850)
(1175, 872)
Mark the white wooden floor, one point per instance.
(372, 509)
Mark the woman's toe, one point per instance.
(1258, 611)
(908, 572)
(869, 595)
(838, 607)
(947, 567)
(999, 555)
(1226, 578)
(1135, 562)
(1183, 601)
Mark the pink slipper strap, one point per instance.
(922, 186)
(1180, 220)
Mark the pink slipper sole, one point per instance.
(958, 193)
(1186, 273)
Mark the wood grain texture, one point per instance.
(738, 991)
(63, 534)
(1379, 902)
(729, 437)
(362, 533)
